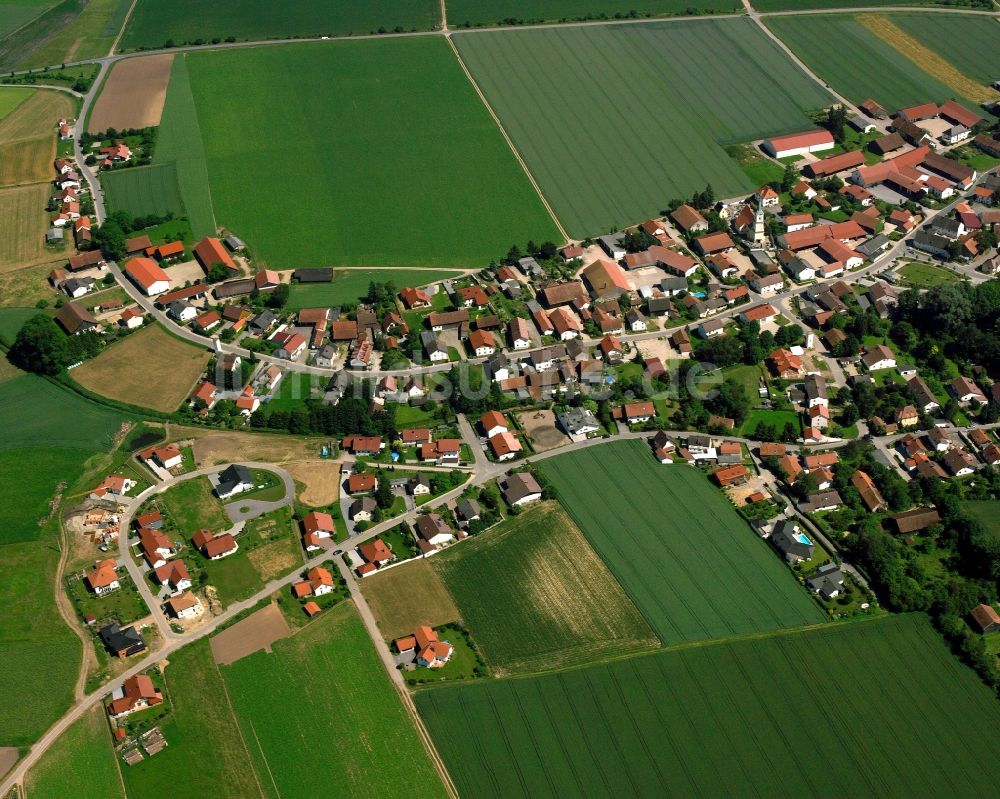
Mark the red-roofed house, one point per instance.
(138, 693)
(415, 298)
(799, 143)
(209, 252)
(505, 446)
(147, 275)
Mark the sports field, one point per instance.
(615, 121)
(691, 564)
(497, 12)
(856, 62)
(206, 755)
(328, 714)
(876, 708)
(80, 762)
(390, 160)
(154, 22)
(536, 596)
(150, 368)
(349, 285)
(968, 41)
(144, 190)
(403, 599)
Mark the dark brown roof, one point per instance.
(913, 520)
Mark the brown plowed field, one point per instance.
(133, 94)
(257, 631)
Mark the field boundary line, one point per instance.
(510, 143)
(121, 31)
(239, 729)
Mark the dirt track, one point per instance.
(133, 94)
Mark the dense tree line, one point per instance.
(350, 416)
(43, 348)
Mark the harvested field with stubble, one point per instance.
(870, 708)
(37, 116)
(133, 94)
(24, 220)
(254, 633)
(405, 597)
(926, 59)
(968, 41)
(320, 480)
(213, 448)
(536, 596)
(692, 565)
(27, 161)
(150, 368)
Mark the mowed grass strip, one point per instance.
(349, 285)
(206, 755)
(615, 120)
(24, 220)
(536, 596)
(404, 598)
(877, 708)
(144, 190)
(192, 506)
(496, 12)
(150, 368)
(926, 59)
(856, 62)
(81, 762)
(329, 714)
(969, 41)
(153, 22)
(676, 544)
(389, 160)
(179, 143)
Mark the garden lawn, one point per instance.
(350, 285)
(191, 505)
(690, 563)
(154, 22)
(499, 12)
(614, 122)
(313, 172)
(986, 512)
(336, 687)
(856, 62)
(144, 190)
(536, 596)
(81, 762)
(206, 755)
(921, 275)
(871, 708)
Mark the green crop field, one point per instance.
(206, 755)
(144, 190)
(24, 502)
(154, 22)
(15, 14)
(179, 143)
(615, 120)
(81, 762)
(349, 285)
(676, 544)
(536, 596)
(799, 5)
(12, 98)
(875, 708)
(856, 62)
(342, 181)
(329, 715)
(67, 30)
(496, 12)
(968, 41)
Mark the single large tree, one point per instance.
(40, 346)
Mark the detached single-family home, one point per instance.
(234, 479)
(184, 606)
(879, 357)
(520, 489)
(173, 575)
(103, 578)
(214, 547)
(137, 693)
(147, 275)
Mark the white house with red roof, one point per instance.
(812, 141)
(147, 275)
(427, 650)
(112, 487)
